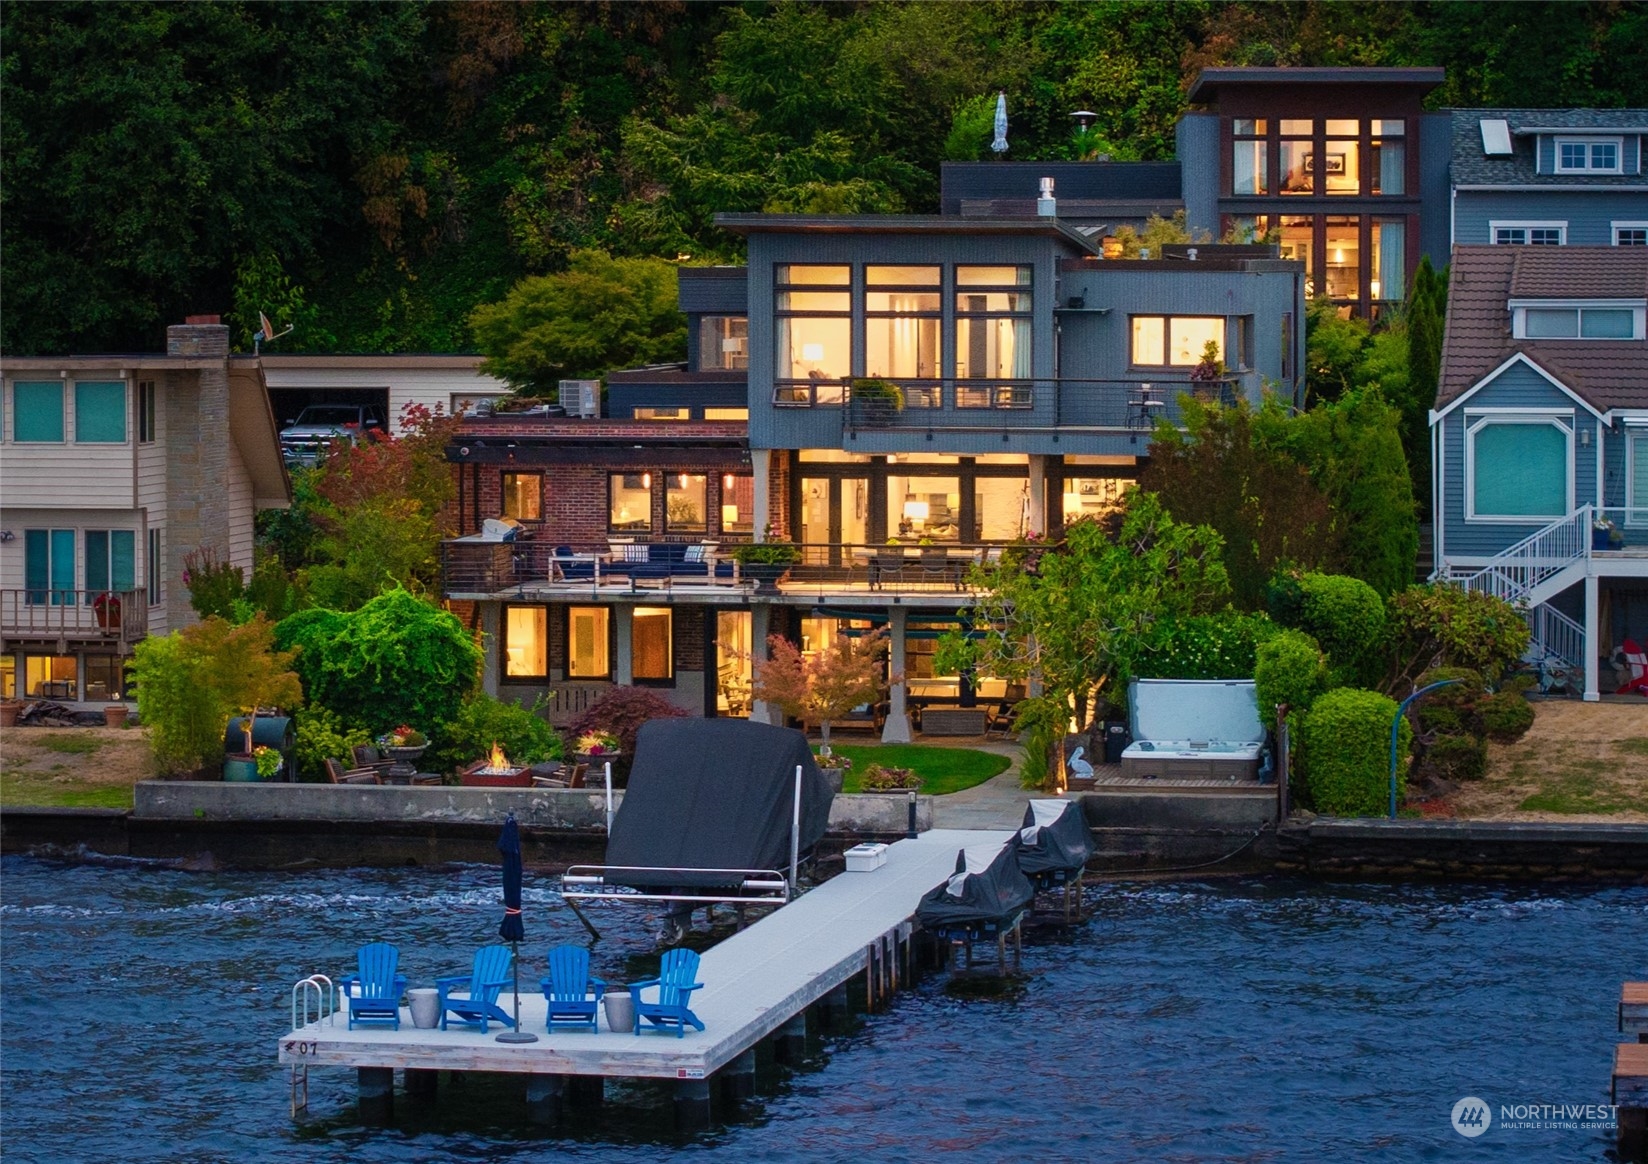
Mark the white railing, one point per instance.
(1517, 571)
(1557, 634)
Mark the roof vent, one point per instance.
(1496, 138)
(1046, 205)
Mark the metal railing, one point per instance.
(115, 616)
(1557, 633)
(1518, 571)
(961, 405)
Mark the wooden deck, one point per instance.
(753, 982)
(1630, 1087)
(1633, 1010)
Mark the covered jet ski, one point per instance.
(1054, 843)
(987, 892)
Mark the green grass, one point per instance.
(73, 745)
(942, 770)
(1580, 791)
(32, 790)
(1635, 747)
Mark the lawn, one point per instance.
(72, 767)
(942, 770)
(1579, 761)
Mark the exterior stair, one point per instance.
(1534, 571)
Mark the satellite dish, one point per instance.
(265, 333)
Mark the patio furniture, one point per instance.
(675, 986)
(338, 774)
(567, 566)
(565, 776)
(570, 992)
(1637, 660)
(368, 756)
(481, 986)
(887, 565)
(374, 990)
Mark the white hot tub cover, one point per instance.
(1222, 711)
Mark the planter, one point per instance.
(240, 770)
(1600, 539)
(767, 575)
(9, 711)
(107, 609)
(408, 755)
(425, 1004)
(598, 761)
(620, 1010)
(833, 777)
(114, 715)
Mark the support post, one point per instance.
(1038, 494)
(692, 1105)
(835, 1007)
(795, 834)
(761, 465)
(760, 627)
(791, 1043)
(1631, 1135)
(897, 729)
(545, 1096)
(422, 1084)
(377, 1095)
(623, 634)
(738, 1078)
(1592, 639)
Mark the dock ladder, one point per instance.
(319, 989)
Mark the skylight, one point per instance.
(1496, 138)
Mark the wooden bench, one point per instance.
(954, 721)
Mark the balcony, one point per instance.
(113, 617)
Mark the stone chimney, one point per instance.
(197, 451)
(198, 335)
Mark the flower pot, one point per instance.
(767, 575)
(240, 770)
(107, 609)
(1600, 539)
(598, 760)
(114, 715)
(9, 710)
(620, 1010)
(409, 755)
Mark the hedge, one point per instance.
(1346, 752)
(1288, 669)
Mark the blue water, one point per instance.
(1243, 1020)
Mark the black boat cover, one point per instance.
(1054, 837)
(714, 794)
(987, 886)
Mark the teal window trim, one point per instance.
(37, 412)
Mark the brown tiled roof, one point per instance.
(1605, 373)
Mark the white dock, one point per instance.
(753, 982)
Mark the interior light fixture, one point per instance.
(646, 480)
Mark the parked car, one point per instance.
(304, 441)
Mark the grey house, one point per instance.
(1549, 177)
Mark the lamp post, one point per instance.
(1396, 726)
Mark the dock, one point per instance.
(1629, 1083)
(755, 983)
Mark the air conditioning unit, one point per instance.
(581, 397)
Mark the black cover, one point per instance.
(1065, 844)
(995, 894)
(714, 794)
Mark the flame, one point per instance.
(496, 760)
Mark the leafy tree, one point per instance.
(1333, 351)
(1443, 625)
(602, 313)
(483, 721)
(621, 711)
(1156, 232)
(826, 686)
(1427, 309)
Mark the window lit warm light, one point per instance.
(726, 482)
(729, 515)
(1338, 254)
(1373, 288)
(646, 480)
(812, 352)
(683, 480)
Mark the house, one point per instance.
(386, 383)
(112, 469)
(1540, 433)
(1549, 177)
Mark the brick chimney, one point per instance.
(198, 335)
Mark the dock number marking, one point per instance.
(301, 1047)
(689, 1073)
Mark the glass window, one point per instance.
(1176, 341)
(901, 328)
(154, 566)
(1245, 127)
(630, 506)
(890, 276)
(1520, 470)
(814, 301)
(48, 566)
(1342, 127)
(1091, 496)
(1595, 156)
(993, 348)
(526, 642)
(1638, 471)
(111, 561)
(733, 662)
(1631, 236)
(523, 496)
(812, 348)
(662, 414)
(1544, 236)
(587, 656)
(738, 503)
(51, 676)
(652, 643)
(1389, 274)
(1247, 172)
(924, 507)
(815, 274)
(1606, 323)
(105, 678)
(100, 412)
(684, 507)
(1389, 163)
(8, 677)
(1342, 172)
(1296, 166)
(1552, 323)
(993, 276)
(726, 414)
(1000, 508)
(723, 343)
(1344, 254)
(1296, 126)
(37, 410)
(147, 403)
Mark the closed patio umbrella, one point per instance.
(510, 929)
(999, 144)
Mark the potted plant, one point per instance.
(403, 743)
(767, 562)
(597, 747)
(107, 608)
(875, 401)
(1605, 535)
(878, 778)
(834, 767)
(268, 760)
(1207, 377)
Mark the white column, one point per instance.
(761, 463)
(491, 614)
(1592, 640)
(623, 660)
(1038, 494)
(897, 729)
(760, 626)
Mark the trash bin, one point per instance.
(1116, 739)
(425, 1004)
(620, 1010)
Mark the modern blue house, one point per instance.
(1539, 442)
(1549, 177)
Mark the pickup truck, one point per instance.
(304, 441)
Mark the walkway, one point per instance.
(998, 803)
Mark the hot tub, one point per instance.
(1191, 760)
(1228, 743)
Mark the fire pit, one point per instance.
(495, 771)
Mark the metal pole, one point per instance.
(1283, 748)
(795, 833)
(910, 831)
(1396, 725)
(609, 797)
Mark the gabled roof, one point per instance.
(1604, 373)
(1471, 167)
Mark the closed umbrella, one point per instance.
(510, 929)
(999, 145)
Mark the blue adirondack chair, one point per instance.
(675, 986)
(481, 987)
(374, 991)
(568, 986)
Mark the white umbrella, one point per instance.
(1000, 144)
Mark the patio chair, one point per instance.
(374, 990)
(563, 569)
(1637, 660)
(572, 995)
(481, 987)
(675, 986)
(1001, 717)
(887, 565)
(368, 756)
(338, 774)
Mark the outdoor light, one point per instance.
(726, 482)
(683, 480)
(646, 480)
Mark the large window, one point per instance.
(1342, 158)
(723, 343)
(924, 508)
(1518, 470)
(1587, 156)
(100, 412)
(8, 677)
(1531, 234)
(153, 564)
(629, 506)
(523, 496)
(1636, 484)
(587, 637)
(111, 561)
(652, 644)
(1298, 167)
(51, 676)
(813, 305)
(1389, 165)
(685, 508)
(1001, 508)
(148, 404)
(1388, 279)
(1560, 321)
(1092, 496)
(737, 503)
(734, 662)
(993, 307)
(526, 642)
(1178, 341)
(1342, 247)
(901, 321)
(1631, 234)
(37, 411)
(1248, 168)
(48, 566)
(105, 678)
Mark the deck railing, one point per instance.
(112, 616)
(1517, 572)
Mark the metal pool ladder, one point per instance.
(319, 988)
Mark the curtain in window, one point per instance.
(1392, 256)
(1638, 514)
(1521, 470)
(1392, 166)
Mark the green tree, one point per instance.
(1427, 309)
(1136, 241)
(1333, 351)
(601, 314)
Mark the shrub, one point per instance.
(622, 711)
(1505, 716)
(483, 721)
(1445, 625)
(1346, 752)
(767, 554)
(322, 735)
(1208, 646)
(214, 585)
(1346, 617)
(1461, 757)
(1288, 668)
(877, 778)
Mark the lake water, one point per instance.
(1240, 1020)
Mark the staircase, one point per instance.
(1534, 571)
